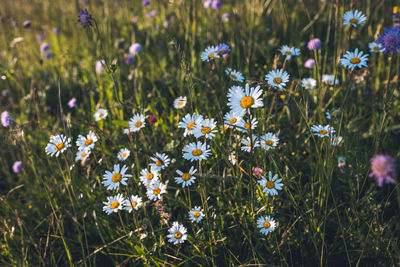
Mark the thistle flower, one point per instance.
(314, 44)
(390, 39)
(309, 64)
(383, 168)
(5, 119)
(135, 49)
(85, 19)
(216, 4)
(17, 166)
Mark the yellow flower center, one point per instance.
(156, 191)
(247, 102)
(211, 55)
(376, 48)
(270, 184)
(233, 120)
(138, 124)
(123, 155)
(336, 140)
(196, 214)
(322, 132)
(83, 155)
(288, 52)
(197, 152)
(247, 125)
(353, 21)
(116, 177)
(180, 103)
(150, 176)
(233, 76)
(205, 130)
(114, 205)
(133, 204)
(88, 142)
(190, 126)
(159, 163)
(308, 85)
(186, 176)
(249, 144)
(354, 60)
(269, 142)
(277, 80)
(101, 115)
(178, 235)
(267, 225)
(59, 146)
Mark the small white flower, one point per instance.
(206, 129)
(113, 204)
(196, 214)
(189, 122)
(246, 144)
(87, 142)
(82, 154)
(118, 176)
(266, 224)
(336, 140)
(136, 122)
(57, 144)
(268, 141)
(161, 161)
(289, 51)
(134, 202)
(155, 190)
(149, 176)
(123, 154)
(322, 131)
(180, 102)
(271, 184)
(187, 178)
(308, 83)
(196, 151)
(100, 114)
(177, 233)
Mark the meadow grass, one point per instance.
(326, 213)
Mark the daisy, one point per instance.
(269, 141)
(354, 59)
(180, 102)
(234, 75)
(57, 144)
(266, 224)
(149, 176)
(196, 214)
(336, 140)
(375, 47)
(233, 158)
(177, 233)
(161, 161)
(354, 18)
(329, 79)
(136, 122)
(308, 83)
(100, 114)
(113, 204)
(341, 161)
(189, 122)
(246, 144)
(240, 99)
(187, 178)
(134, 202)
(244, 126)
(197, 151)
(113, 179)
(155, 190)
(82, 154)
(289, 51)
(209, 53)
(86, 142)
(271, 184)
(123, 154)
(232, 118)
(278, 78)
(206, 129)
(322, 131)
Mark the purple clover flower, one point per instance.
(309, 64)
(5, 119)
(383, 169)
(17, 166)
(85, 19)
(129, 59)
(390, 39)
(314, 44)
(72, 102)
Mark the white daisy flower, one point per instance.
(189, 122)
(278, 78)
(329, 79)
(161, 161)
(232, 118)
(149, 176)
(196, 214)
(196, 151)
(244, 126)
(341, 161)
(322, 131)
(87, 142)
(234, 75)
(155, 190)
(209, 53)
(268, 141)
(206, 129)
(289, 51)
(308, 83)
(354, 18)
(271, 184)
(354, 59)
(123, 154)
(113, 179)
(134, 202)
(328, 114)
(240, 99)
(177, 233)
(375, 47)
(187, 178)
(82, 154)
(57, 144)
(113, 204)
(233, 158)
(100, 114)
(336, 140)
(246, 144)
(266, 224)
(136, 122)
(180, 102)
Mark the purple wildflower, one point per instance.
(135, 48)
(314, 44)
(56, 31)
(129, 59)
(225, 17)
(5, 119)
(40, 37)
(48, 55)
(48, 109)
(27, 23)
(85, 19)
(72, 102)
(383, 168)
(4, 92)
(17, 166)
(223, 49)
(100, 65)
(216, 4)
(207, 4)
(390, 39)
(151, 14)
(309, 64)
(44, 47)
(145, 2)
(152, 118)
